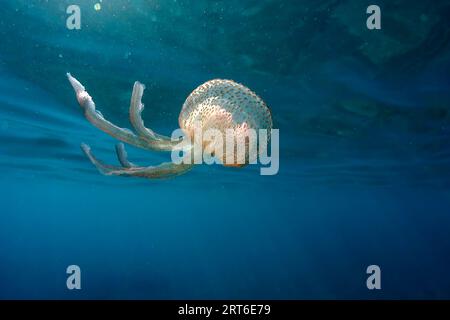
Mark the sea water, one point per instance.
(364, 122)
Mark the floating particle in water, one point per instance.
(97, 6)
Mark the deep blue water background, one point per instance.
(364, 119)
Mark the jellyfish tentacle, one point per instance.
(164, 170)
(123, 156)
(97, 119)
(155, 141)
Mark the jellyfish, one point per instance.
(217, 104)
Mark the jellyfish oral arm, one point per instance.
(97, 119)
(155, 141)
(145, 138)
(163, 170)
(122, 156)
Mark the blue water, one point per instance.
(364, 119)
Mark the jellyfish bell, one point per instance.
(233, 110)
